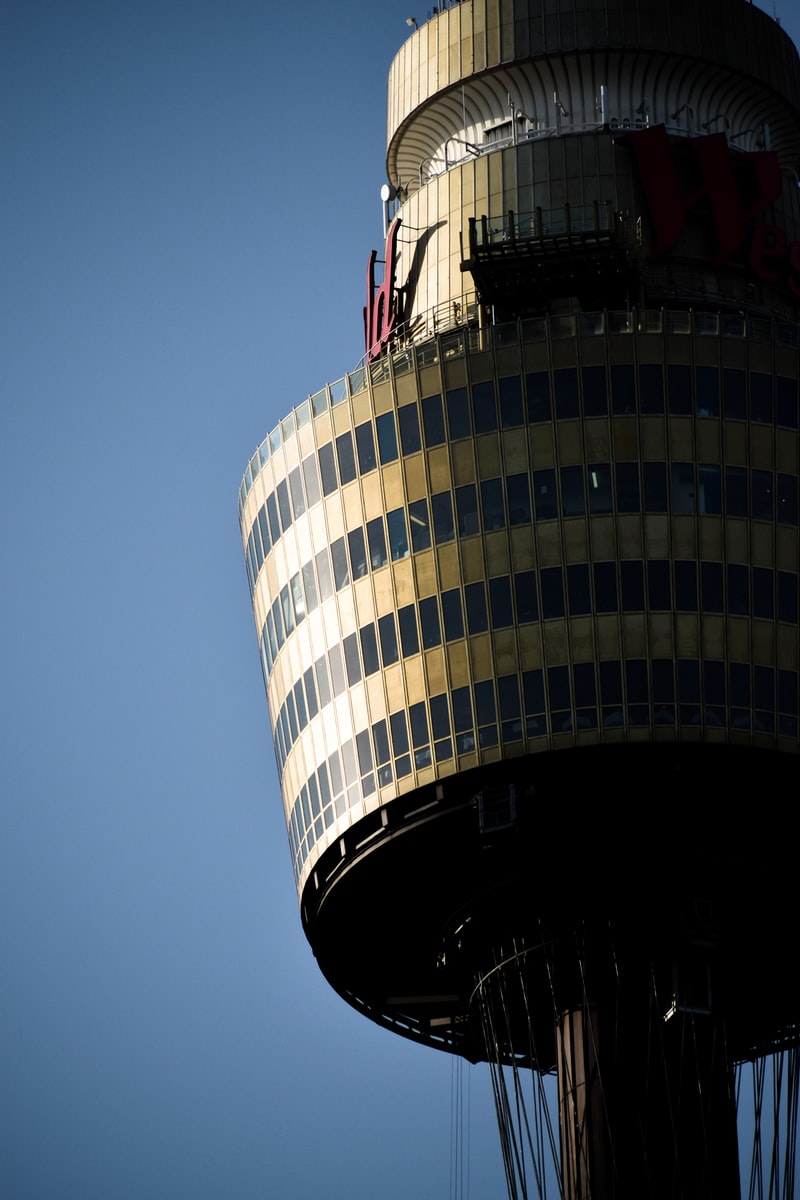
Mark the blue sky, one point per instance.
(190, 194)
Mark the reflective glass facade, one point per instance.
(533, 570)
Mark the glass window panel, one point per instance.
(605, 587)
(484, 412)
(584, 684)
(659, 591)
(327, 467)
(711, 586)
(623, 391)
(655, 486)
(525, 596)
(409, 637)
(398, 536)
(324, 575)
(714, 682)
(477, 617)
(764, 687)
(337, 781)
(572, 500)
(519, 499)
(494, 516)
(663, 670)
(686, 585)
(376, 539)
(408, 418)
(358, 553)
(510, 401)
(565, 386)
(508, 696)
(739, 684)
(323, 682)
(264, 526)
(738, 589)
(736, 492)
(397, 723)
(364, 752)
(369, 649)
(682, 487)
(558, 687)
(467, 510)
(595, 398)
(387, 632)
(311, 693)
(298, 600)
(627, 487)
(734, 405)
(761, 495)
(346, 457)
(419, 725)
(709, 488)
(787, 499)
(679, 390)
(500, 602)
(636, 679)
(537, 385)
(600, 488)
(544, 495)
(552, 592)
(380, 740)
(429, 620)
(284, 507)
(763, 605)
(578, 593)
(278, 619)
(443, 526)
(296, 489)
(462, 709)
(786, 402)
(632, 586)
(707, 391)
(787, 597)
(651, 388)
(311, 477)
(688, 680)
(287, 610)
(387, 438)
(440, 716)
(610, 682)
(336, 669)
(341, 569)
(452, 614)
(533, 693)
(419, 523)
(484, 703)
(458, 417)
(292, 716)
(433, 421)
(365, 448)
(300, 704)
(272, 513)
(761, 397)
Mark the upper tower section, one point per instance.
(507, 123)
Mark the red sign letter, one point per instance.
(380, 314)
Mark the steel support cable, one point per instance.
(596, 1059)
(546, 1122)
(498, 1085)
(523, 1124)
(777, 1081)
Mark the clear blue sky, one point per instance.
(189, 197)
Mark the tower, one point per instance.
(526, 582)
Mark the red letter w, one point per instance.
(667, 204)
